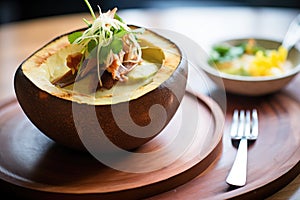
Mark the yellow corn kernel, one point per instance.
(266, 65)
(282, 53)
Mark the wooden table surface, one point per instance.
(204, 25)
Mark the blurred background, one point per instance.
(16, 10)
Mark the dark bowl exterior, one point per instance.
(55, 118)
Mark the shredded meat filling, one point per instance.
(73, 61)
(114, 68)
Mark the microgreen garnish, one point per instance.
(104, 38)
(91, 9)
(73, 36)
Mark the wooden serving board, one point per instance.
(273, 159)
(33, 166)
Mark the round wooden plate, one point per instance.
(273, 159)
(33, 166)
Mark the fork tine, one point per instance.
(247, 124)
(234, 124)
(241, 129)
(254, 131)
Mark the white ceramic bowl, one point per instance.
(254, 86)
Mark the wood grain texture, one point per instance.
(273, 159)
(38, 168)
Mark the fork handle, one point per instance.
(238, 173)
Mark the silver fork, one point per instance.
(244, 127)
